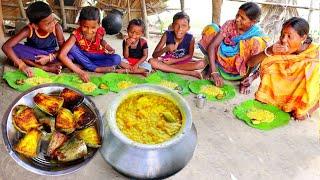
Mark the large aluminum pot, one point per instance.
(148, 161)
(41, 164)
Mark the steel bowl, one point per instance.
(42, 164)
(144, 161)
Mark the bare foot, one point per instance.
(54, 68)
(196, 74)
(104, 69)
(244, 89)
(307, 116)
(121, 71)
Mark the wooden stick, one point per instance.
(1, 26)
(64, 19)
(145, 18)
(129, 11)
(21, 8)
(182, 5)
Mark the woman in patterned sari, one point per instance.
(229, 47)
(290, 71)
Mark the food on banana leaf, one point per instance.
(29, 144)
(168, 84)
(19, 81)
(83, 116)
(103, 86)
(258, 116)
(34, 81)
(87, 87)
(211, 90)
(71, 98)
(65, 121)
(125, 84)
(149, 118)
(48, 103)
(90, 136)
(24, 118)
(56, 141)
(71, 150)
(220, 96)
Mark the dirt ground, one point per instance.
(227, 148)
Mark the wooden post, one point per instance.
(145, 18)
(21, 8)
(129, 10)
(63, 14)
(310, 11)
(1, 26)
(216, 10)
(182, 5)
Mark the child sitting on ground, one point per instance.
(178, 46)
(135, 50)
(87, 47)
(43, 35)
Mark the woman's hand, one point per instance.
(279, 49)
(218, 81)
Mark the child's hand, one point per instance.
(169, 61)
(129, 41)
(279, 49)
(171, 47)
(27, 70)
(84, 76)
(42, 59)
(111, 51)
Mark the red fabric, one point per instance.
(93, 46)
(133, 61)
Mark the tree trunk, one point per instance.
(182, 5)
(145, 18)
(216, 10)
(1, 26)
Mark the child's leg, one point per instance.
(157, 64)
(52, 67)
(105, 62)
(81, 58)
(192, 65)
(28, 55)
(126, 68)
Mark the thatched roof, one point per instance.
(153, 6)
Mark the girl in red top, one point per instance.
(87, 47)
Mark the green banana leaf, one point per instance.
(112, 80)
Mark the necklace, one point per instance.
(88, 45)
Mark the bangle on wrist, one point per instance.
(266, 52)
(215, 72)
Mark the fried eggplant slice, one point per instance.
(83, 116)
(71, 150)
(29, 144)
(71, 98)
(24, 118)
(48, 103)
(56, 141)
(90, 136)
(65, 121)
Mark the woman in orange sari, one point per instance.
(290, 71)
(228, 48)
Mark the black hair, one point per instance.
(252, 10)
(181, 15)
(89, 13)
(136, 22)
(300, 25)
(38, 11)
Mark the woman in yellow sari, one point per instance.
(290, 71)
